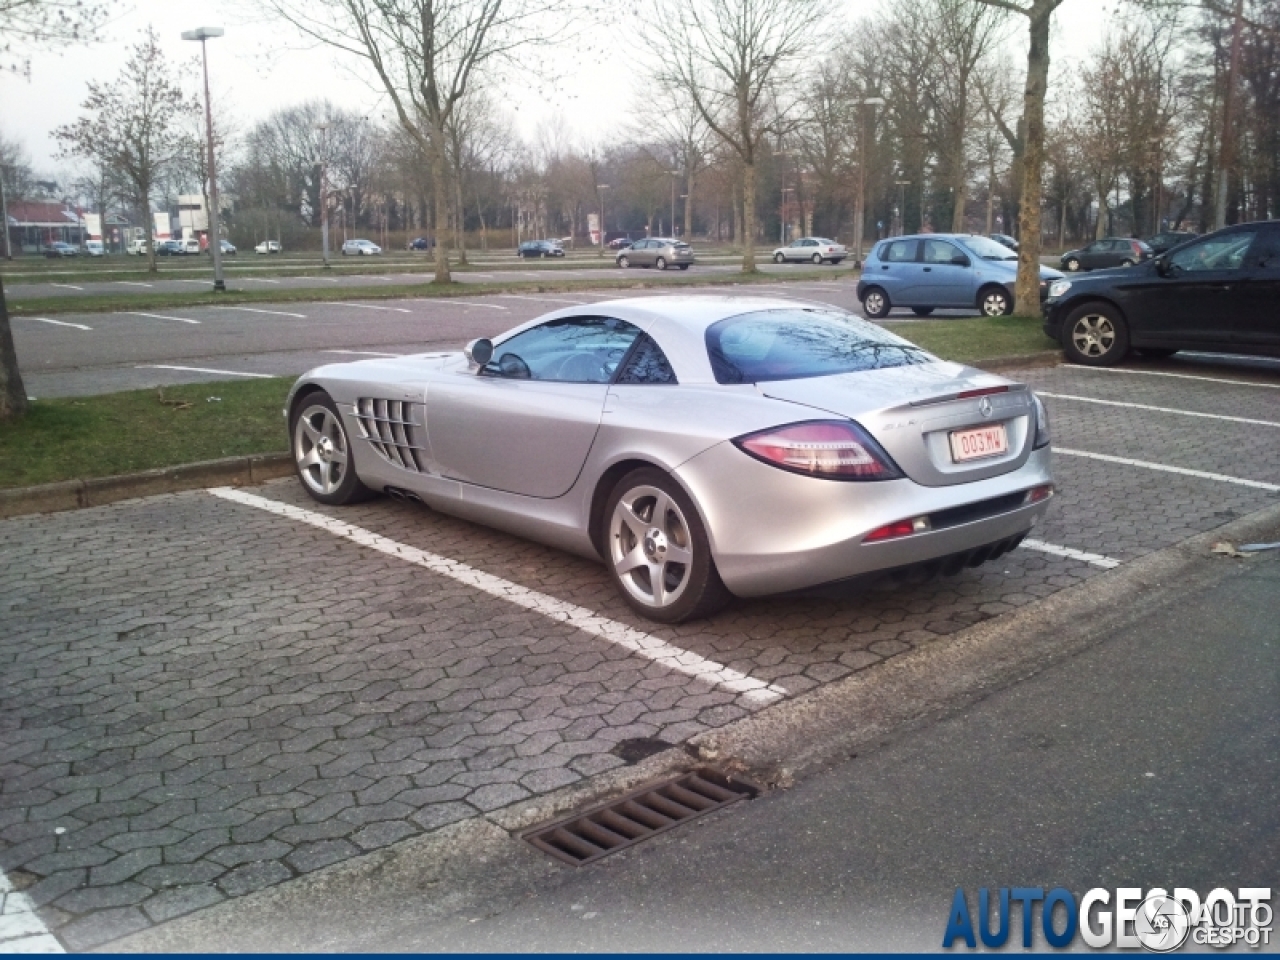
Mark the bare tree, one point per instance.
(426, 54)
(133, 126)
(728, 57)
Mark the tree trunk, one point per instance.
(688, 208)
(460, 220)
(13, 395)
(440, 188)
(1027, 291)
(749, 218)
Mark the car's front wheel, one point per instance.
(1072, 264)
(623, 262)
(660, 263)
(876, 303)
(1096, 336)
(995, 302)
(322, 452)
(779, 258)
(658, 551)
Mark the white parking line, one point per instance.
(1180, 376)
(365, 353)
(1202, 474)
(369, 306)
(21, 929)
(1144, 406)
(512, 296)
(261, 279)
(274, 313)
(230, 373)
(62, 323)
(134, 283)
(449, 301)
(69, 286)
(642, 644)
(159, 316)
(1097, 559)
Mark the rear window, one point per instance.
(795, 343)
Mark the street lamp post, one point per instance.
(674, 174)
(859, 225)
(324, 191)
(215, 235)
(601, 188)
(902, 205)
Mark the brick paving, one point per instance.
(199, 700)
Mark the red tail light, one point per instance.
(982, 392)
(834, 449)
(899, 528)
(1043, 492)
(1137, 247)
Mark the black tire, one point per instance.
(660, 263)
(624, 263)
(922, 311)
(779, 258)
(1072, 265)
(1156, 353)
(995, 302)
(700, 591)
(1095, 335)
(876, 303)
(1126, 263)
(817, 259)
(326, 478)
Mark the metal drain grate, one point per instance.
(644, 813)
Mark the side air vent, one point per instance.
(394, 428)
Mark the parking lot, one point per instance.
(209, 693)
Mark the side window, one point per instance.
(939, 251)
(1215, 253)
(901, 251)
(570, 349)
(1268, 251)
(647, 364)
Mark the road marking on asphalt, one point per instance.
(231, 373)
(201, 282)
(159, 316)
(1097, 559)
(365, 353)
(274, 313)
(62, 323)
(485, 275)
(1144, 406)
(369, 306)
(134, 283)
(1180, 376)
(1202, 474)
(588, 621)
(512, 296)
(21, 929)
(448, 301)
(69, 286)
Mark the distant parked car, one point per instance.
(812, 249)
(228, 248)
(1216, 294)
(942, 270)
(190, 246)
(539, 249)
(136, 247)
(419, 243)
(170, 248)
(660, 252)
(1107, 252)
(1169, 239)
(267, 246)
(59, 249)
(1005, 241)
(360, 248)
(619, 243)
(94, 248)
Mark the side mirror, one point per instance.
(959, 260)
(479, 352)
(1162, 266)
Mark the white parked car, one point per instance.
(93, 248)
(811, 249)
(360, 248)
(138, 247)
(267, 246)
(190, 245)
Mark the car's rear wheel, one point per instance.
(1096, 336)
(817, 259)
(1126, 263)
(322, 453)
(658, 551)
(660, 263)
(779, 258)
(922, 311)
(876, 303)
(684, 266)
(995, 302)
(1072, 264)
(624, 262)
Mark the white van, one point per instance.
(138, 247)
(190, 245)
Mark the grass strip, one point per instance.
(978, 338)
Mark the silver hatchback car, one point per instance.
(660, 252)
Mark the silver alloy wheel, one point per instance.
(778, 258)
(320, 449)
(874, 303)
(650, 546)
(1073, 264)
(995, 304)
(1126, 263)
(1093, 335)
(660, 263)
(817, 258)
(623, 262)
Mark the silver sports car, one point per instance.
(702, 446)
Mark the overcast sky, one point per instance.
(260, 66)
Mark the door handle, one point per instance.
(928, 269)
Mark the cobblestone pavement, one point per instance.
(199, 699)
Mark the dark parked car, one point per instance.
(419, 243)
(619, 243)
(1108, 252)
(1168, 240)
(60, 249)
(540, 248)
(1005, 241)
(169, 248)
(1216, 294)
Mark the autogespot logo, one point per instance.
(1157, 921)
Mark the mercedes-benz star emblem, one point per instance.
(984, 407)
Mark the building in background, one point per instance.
(34, 224)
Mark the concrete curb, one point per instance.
(98, 491)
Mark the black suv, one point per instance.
(1218, 293)
(540, 248)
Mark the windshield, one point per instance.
(793, 343)
(988, 249)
